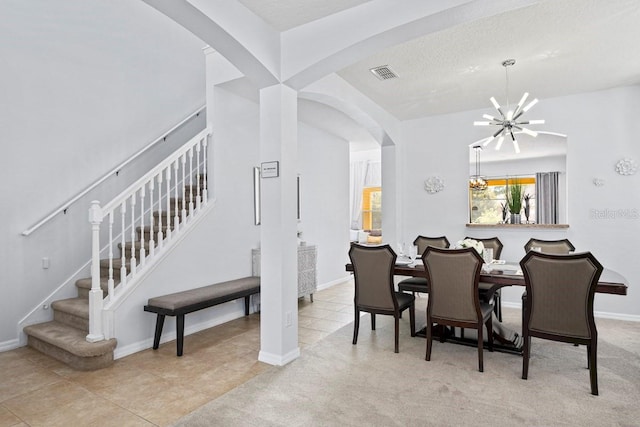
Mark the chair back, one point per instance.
(560, 291)
(453, 276)
(560, 247)
(491, 243)
(373, 276)
(423, 242)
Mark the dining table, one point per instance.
(494, 276)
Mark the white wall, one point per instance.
(601, 128)
(84, 84)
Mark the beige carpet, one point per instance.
(335, 383)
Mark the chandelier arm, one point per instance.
(520, 104)
(513, 138)
(498, 132)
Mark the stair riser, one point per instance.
(104, 271)
(147, 234)
(171, 220)
(71, 320)
(127, 251)
(77, 362)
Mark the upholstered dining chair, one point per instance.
(419, 284)
(558, 304)
(374, 289)
(563, 246)
(495, 244)
(423, 242)
(453, 276)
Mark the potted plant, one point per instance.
(514, 200)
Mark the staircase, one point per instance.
(65, 337)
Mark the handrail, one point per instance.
(74, 199)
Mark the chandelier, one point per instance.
(477, 182)
(511, 122)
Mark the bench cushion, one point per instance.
(178, 300)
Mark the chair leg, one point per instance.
(593, 371)
(356, 326)
(373, 322)
(412, 319)
(396, 318)
(490, 332)
(429, 340)
(480, 347)
(526, 348)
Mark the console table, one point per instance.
(307, 257)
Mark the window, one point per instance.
(372, 208)
(486, 206)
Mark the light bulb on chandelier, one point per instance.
(509, 123)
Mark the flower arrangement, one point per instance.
(471, 243)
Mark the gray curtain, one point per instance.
(547, 197)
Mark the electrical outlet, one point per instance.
(45, 263)
(289, 319)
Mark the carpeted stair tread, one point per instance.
(69, 339)
(75, 306)
(136, 245)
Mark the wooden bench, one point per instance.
(181, 303)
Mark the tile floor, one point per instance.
(153, 388)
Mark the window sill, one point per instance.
(551, 226)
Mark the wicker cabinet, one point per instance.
(307, 258)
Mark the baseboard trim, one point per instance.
(277, 360)
(339, 281)
(598, 314)
(10, 345)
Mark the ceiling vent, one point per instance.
(383, 72)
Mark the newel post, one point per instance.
(95, 295)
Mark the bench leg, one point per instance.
(159, 325)
(247, 300)
(180, 333)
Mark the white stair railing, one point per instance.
(142, 220)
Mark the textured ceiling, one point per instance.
(561, 47)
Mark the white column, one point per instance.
(278, 284)
(392, 229)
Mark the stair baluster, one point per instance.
(152, 242)
(143, 252)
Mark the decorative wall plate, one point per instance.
(434, 184)
(627, 167)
